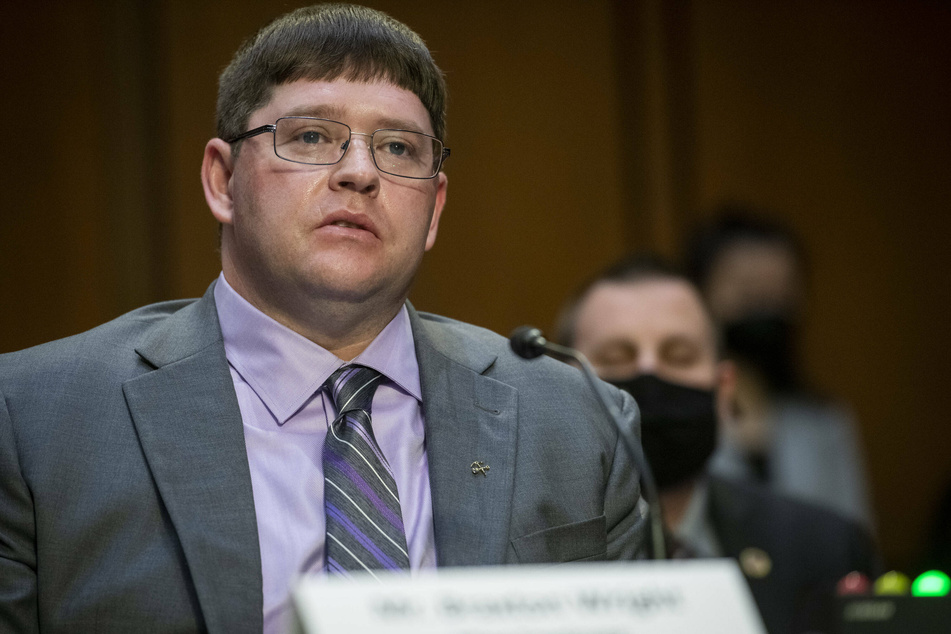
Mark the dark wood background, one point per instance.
(833, 115)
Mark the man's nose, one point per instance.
(647, 363)
(362, 149)
(357, 169)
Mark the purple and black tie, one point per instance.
(364, 523)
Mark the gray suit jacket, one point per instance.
(125, 492)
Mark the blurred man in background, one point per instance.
(645, 329)
(752, 274)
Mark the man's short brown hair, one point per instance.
(328, 42)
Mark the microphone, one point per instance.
(529, 342)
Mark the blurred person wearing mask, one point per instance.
(752, 275)
(645, 329)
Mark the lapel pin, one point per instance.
(479, 467)
(755, 563)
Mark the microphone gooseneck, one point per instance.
(529, 342)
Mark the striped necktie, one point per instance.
(362, 505)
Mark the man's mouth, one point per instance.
(347, 220)
(344, 223)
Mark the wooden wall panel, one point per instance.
(73, 219)
(535, 187)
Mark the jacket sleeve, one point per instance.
(18, 599)
(625, 508)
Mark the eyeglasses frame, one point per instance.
(272, 127)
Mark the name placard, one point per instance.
(649, 597)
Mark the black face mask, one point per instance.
(766, 342)
(678, 427)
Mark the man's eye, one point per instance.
(615, 355)
(311, 136)
(681, 353)
(396, 148)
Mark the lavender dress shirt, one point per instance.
(277, 376)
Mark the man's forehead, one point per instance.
(380, 101)
(661, 305)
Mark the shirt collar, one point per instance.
(393, 354)
(285, 368)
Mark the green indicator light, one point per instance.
(892, 583)
(933, 583)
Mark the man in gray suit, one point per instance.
(168, 471)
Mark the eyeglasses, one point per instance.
(315, 141)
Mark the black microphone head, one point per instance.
(528, 342)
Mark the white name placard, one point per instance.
(648, 597)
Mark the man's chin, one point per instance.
(358, 291)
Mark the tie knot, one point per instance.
(351, 388)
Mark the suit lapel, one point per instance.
(186, 414)
(469, 418)
(730, 515)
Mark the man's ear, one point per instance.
(726, 394)
(442, 182)
(216, 170)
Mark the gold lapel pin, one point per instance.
(479, 467)
(755, 563)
